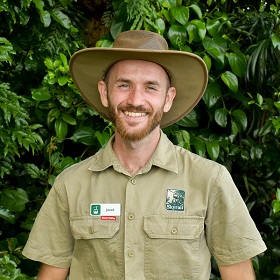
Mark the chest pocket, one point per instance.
(88, 227)
(97, 248)
(172, 246)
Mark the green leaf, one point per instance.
(7, 215)
(234, 130)
(230, 80)
(61, 18)
(69, 119)
(241, 118)
(102, 137)
(32, 170)
(181, 14)
(63, 80)
(275, 38)
(41, 94)
(207, 61)
(212, 94)
(65, 100)
(49, 63)
(212, 26)
(116, 28)
(199, 147)
(266, 128)
(183, 138)
(278, 194)
(213, 149)
(238, 63)
(54, 114)
(84, 135)
(44, 15)
(221, 117)
(197, 10)
(61, 128)
(177, 35)
(14, 200)
(160, 25)
(190, 120)
(65, 163)
(260, 99)
(200, 25)
(216, 47)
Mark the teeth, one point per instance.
(134, 114)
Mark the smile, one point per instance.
(134, 114)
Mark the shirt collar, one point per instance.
(164, 157)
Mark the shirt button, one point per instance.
(91, 230)
(133, 181)
(131, 216)
(174, 231)
(131, 253)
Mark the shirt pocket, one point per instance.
(172, 246)
(98, 250)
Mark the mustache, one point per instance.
(138, 109)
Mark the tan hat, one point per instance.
(187, 71)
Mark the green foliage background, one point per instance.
(45, 126)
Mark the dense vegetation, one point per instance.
(45, 126)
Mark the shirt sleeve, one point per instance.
(232, 235)
(50, 240)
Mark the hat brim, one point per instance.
(188, 74)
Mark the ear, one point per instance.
(169, 99)
(102, 88)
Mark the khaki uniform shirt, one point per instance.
(174, 214)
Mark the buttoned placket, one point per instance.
(132, 251)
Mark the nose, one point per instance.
(136, 97)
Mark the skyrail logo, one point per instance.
(175, 200)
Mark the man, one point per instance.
(142, 208)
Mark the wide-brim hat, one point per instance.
(187, 71)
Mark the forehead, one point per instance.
(138, 66)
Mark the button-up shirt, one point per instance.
(163, 223)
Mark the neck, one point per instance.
(134, 155)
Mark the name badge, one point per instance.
(105, 210)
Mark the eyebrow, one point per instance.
(149, 82)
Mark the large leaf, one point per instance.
(197, 10)
(44, 15)
(84, 135)
(181, 14)
(61, 128)
(14, 200)
(41, 94)
(212, 94)
(7, 215)
(68, 119)
(216, 47)
(61, 18)
(221, 117)
(241, 118)
(238, 63)
(212, 26)
(190, 120)
(213, 149)
(230, 80)
(200, 147)
(177, 35)
(275, 38)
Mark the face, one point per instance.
(137, 93)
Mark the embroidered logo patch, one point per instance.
(175, 200)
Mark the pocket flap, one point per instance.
(181, 227)
(88, 227)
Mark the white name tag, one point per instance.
(104, 209)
